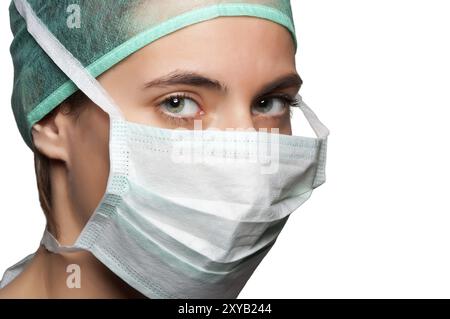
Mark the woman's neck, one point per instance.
(69, 275)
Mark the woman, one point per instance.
(129, 212)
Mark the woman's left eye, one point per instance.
(271, 106)
(180, 106)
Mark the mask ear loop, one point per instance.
(66, 61)
(318, 127)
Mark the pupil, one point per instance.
(176, 105)
(264, 105)
(175, 102)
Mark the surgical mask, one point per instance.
(189, 214)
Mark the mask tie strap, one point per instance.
(52, 244)
(79, 76)
(66, 61)
(319, 128)
(322, 133)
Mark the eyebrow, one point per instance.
(195, 79)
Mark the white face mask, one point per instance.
(197, 225)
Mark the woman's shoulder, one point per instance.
(12, 285)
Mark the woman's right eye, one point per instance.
(180, 106)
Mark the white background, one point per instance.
(378, 75)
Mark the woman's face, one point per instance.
(229, 73)
(216, 71)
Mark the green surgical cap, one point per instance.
(106, 32)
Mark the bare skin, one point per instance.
(246, 62)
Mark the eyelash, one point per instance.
(288, 101)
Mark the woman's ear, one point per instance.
(50, 135)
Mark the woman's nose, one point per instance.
(233, 116)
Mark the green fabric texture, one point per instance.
(110, 30)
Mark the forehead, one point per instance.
(234, 43)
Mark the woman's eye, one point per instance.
(178, 106)
(270, 107)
